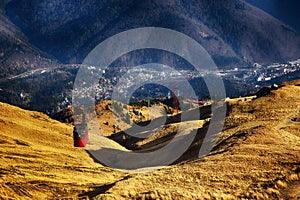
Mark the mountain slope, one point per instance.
(38, 160)
(256, 157)
(29, 77)
(286, 11)
(17, 55)
(233, 32)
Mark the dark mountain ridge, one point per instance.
(35, 34)
(233, 32)
(286, 11)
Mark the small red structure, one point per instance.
(175, 100)
(80, 136)
(80, 133)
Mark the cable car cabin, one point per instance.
(80, 135)
(80, 131)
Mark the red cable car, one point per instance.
(80, 133)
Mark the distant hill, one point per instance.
(233, 32)
(36, 36)
(17, 54)
(29, 77)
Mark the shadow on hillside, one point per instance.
(182, 148)
(130, 142)
(154, 156)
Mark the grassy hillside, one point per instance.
(38, 160)
(256, 157)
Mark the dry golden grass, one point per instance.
(110, 123)
(38, 159)
(256, 157)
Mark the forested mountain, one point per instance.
(233, 32)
